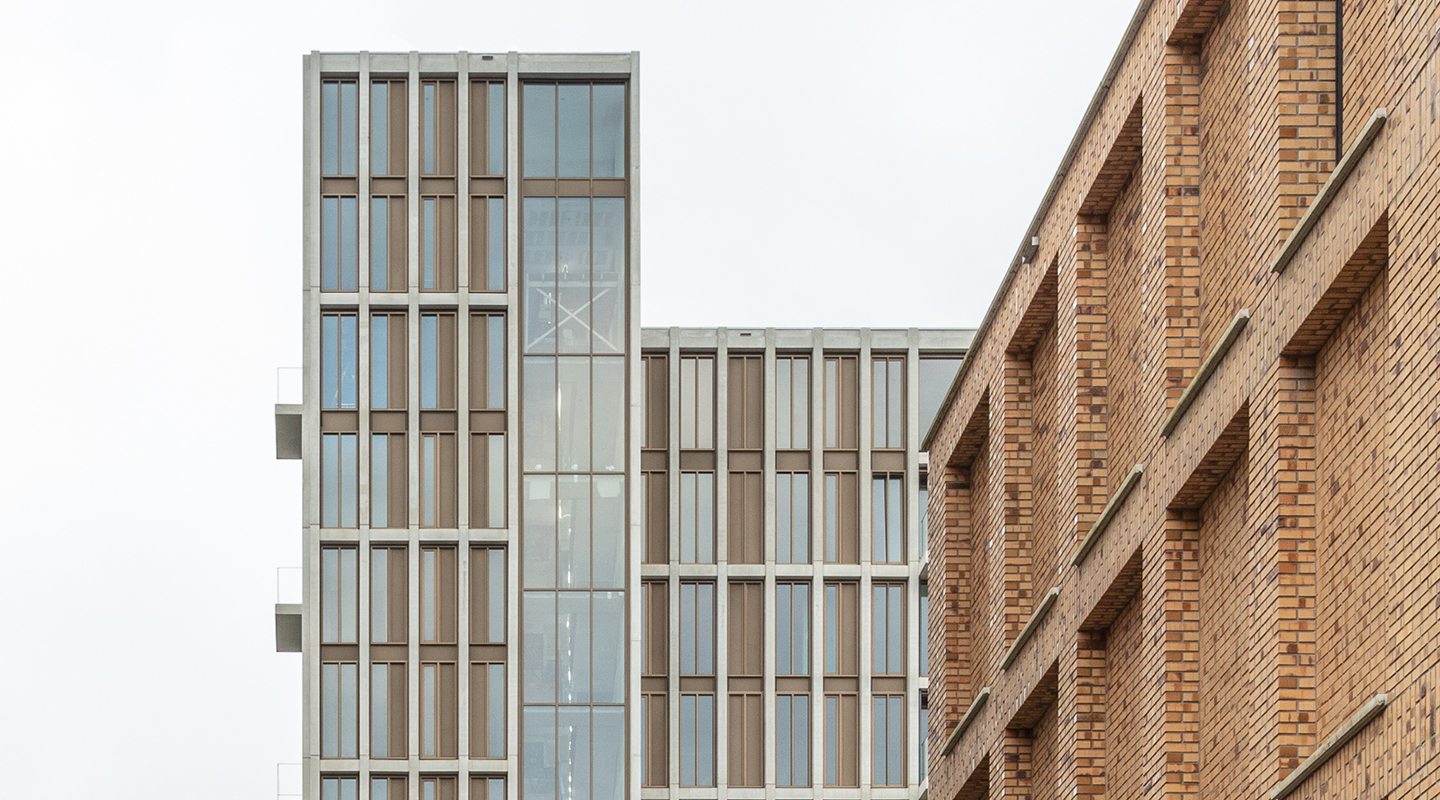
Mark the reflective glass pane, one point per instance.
(572, 532)
(380, 361)
(495, 361)
(539, 531)
(540, 414)
(539, 756)
(539, 274)
(607, 303)
(379, 595)
(379, 244)
(573, 431)
(349, 481)
(608, 525)
(428, 128)
(427, 243)
(495, 244)
(609, 744)
(936, 375)
(608, 668)
(379, 706)
(349, 244)
(329, 128)
(349, 124)
(608, 414)
(379, 129)
(573, 130)
(330, 244)
(349, 361)
(608, 126)
(495, 94)
(573, 277)
(429, 361)
(572, 636)
(539, 685)
(539, 130)
(329, 361)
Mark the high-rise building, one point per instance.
(548, 554)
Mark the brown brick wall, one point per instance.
(1277, 565)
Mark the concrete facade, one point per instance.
(1201, 407)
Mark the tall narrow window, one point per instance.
(437, 127)
(697, 517)
(842, 518)
(792, 403)
(487, 710)
(438, 480)
(437, 595)
(697, 740)
(792, 740)
(339, 244)
(338, 788)
(887, 403)
(338, 361)
(437, 361)
(487, 128)
(924, 736)
(487, 244)
(389, 237)
(887, 524)
(389, 491)
(655, 516)
(388, 723)
(792, 518)
(697, 629)
(842, 629)
(487, 595)
(339, 127)
(924, 516)
(792, 629)
(487, 362)
(389, 595)
(842, 408)
(655, 635)
(389, 109)
(388, 382)
(439, 710)
(339, 708)
(339, 481)
(697, 403)
(887, 623)
(488, 486)
(842, 740)
(656, 399)
(747, 518)
(437, 244)
(655, 733)
(745, 393)
(887, 746)
(339, 595)
(924, 630)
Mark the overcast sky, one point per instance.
(838, 163)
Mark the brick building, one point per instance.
(1186, 541)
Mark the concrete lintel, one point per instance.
(1207, 368)
(1111, 509)
(1036, 617)
(960, 727)
(1347, 731)
(1322, 201)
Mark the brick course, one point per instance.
(1277, 565)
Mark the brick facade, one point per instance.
(1275, 567)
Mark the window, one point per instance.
(338, 361)
(437, 787)
(487, 362)
(437, 244)
(574, 531)
(487, 480)
(439, 707)
(388, 787)
(339, 595)
(573, 285)
(584, 400)
(482, 787)
(656, 398)
(746, 726)
(924, 629)
(924, 736)
(655, 733)
(576, 749)
(437, 480)
(389, 595)
(389, 238)
(339, 485)
(338, 788)
(389, 492)
(387, 711)
(792, 403)
(697, 740)
(887, 745)
(697, 403)
(339, 127)
(487, 128)
(487, 710)
(388, 381)
(655, 516)
(437, 127)
(792, 629)
(487, 244)
(842, 740)
(697, 629)
(339, 245)
(792, 518)
(389, 109)
(747, 628)
(924, 516)
(842, 629)
(792, 740)
(437, 361)
(887, 523)
(574, 130)
(437, 595)
(936, 375)
(746, 393)
(339, 706)
(842, 406)
(887, 620)
(842, 518)
(697, 517)
(887, 403)
(655, 636)
(747, 518)
(487, 595)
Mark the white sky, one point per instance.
(839, 163)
